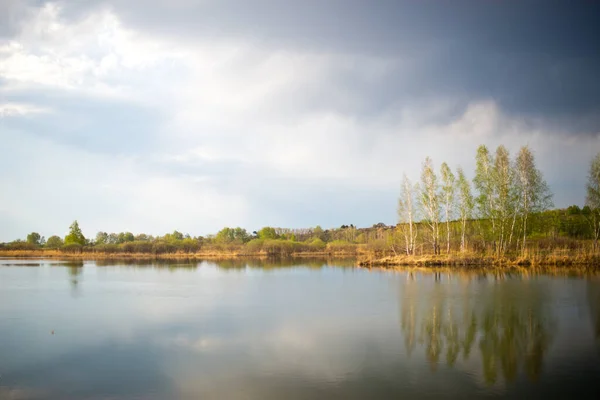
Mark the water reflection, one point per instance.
(272, 329)
(593, 297)
(510, 327)
(266, 263)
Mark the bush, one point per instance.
(162, 247)
(72, 248)
(107, 248)
(20, 245)
(378, 246)
(279, 247)
(317, 245)
(340, 246)
(254, 245)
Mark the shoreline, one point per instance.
(476, 261)
(55, 254)
(452, 261)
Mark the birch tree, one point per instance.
(593, 198)
(448, 189)
(533, 191)
(465, 205)
(483, 182)
(503, 180)
(407, 214)
(430, 202)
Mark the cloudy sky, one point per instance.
(149, 116)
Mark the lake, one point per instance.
(292, 330)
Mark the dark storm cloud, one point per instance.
(534, 58)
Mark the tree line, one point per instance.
(499, 212)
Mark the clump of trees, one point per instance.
(507, 204)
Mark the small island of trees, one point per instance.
(504, 216)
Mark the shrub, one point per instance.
(317, 245)
(72, 248)
(340, 246)
(107, 248)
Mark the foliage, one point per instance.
(75, 235)
(54, 242)
(267, 233)
(35, 239)
(505, 211)
(430, 201)
(592, 200)
(230, 235)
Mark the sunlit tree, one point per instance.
(593, 197)
(484, 184)
(35, 239)
(75, 235)
(448, 191)
(101, 238)
(534, 193)
(430, 201)
(407, 214)
(465, 205)
(54, 242)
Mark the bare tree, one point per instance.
(430, 202)
(448, 189)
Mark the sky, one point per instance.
(150, 116)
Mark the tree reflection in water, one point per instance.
(593, 295)
(447, 315)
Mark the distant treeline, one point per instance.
(503, 211)
(549, 229)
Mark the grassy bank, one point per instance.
(554, 258)
(550, 258)
(201, 255)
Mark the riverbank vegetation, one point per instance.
(503, 216)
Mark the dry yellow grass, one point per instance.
(556, 258)
(202, 255)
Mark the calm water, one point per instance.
(294, 331)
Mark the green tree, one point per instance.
(225, 235)
(407, 214)
(593, 198)
(317, 232)
(177, 235)
(241, 235)
(483, 182)
(143, 237)
(465, 205)
(54, 242)
(35, 239)
(101, 238)
(534, 194)
(125, 237)
(267, 233)
(430, 201)
(448, 191)
(505, 194)
(75, 235)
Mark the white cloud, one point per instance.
(236, 115)
(20, 109)
(94, 55)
